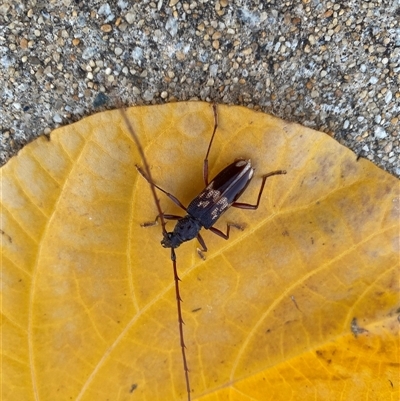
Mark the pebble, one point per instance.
(388, 148)
(388, 97)
(130, 18)
(148, 95)
(57, 118)
(380, 133)
(172, 26)
(106, 28)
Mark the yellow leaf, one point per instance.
(303, 304)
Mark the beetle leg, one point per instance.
(170, 196)
(205, 162)
(203, 246)
(166, 217)
(228, 229)
(254, 207)
(172, 217)
(201, 242)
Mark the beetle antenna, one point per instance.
(146, 168)
(173, 255)
(205, 162)
(180, 321)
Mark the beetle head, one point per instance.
(170, 240)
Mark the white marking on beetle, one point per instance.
(222, 204)
(241, 163)
(203, 204)
(251, 173)
(214, 194)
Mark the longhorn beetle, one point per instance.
(203, 211)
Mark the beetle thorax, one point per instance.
(186, 229)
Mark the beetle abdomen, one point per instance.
(223, 190)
